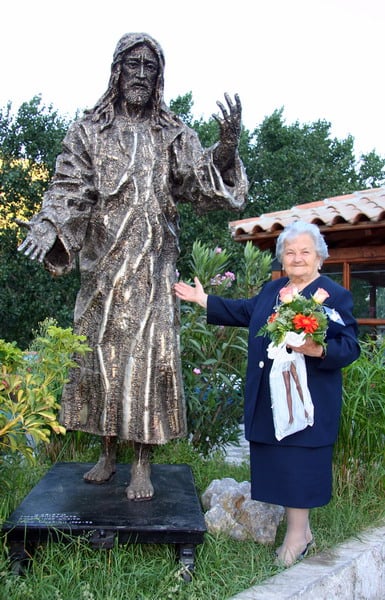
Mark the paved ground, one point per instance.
(238, 454)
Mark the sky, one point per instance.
(316, 59)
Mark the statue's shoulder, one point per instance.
(81, 130)
(84, 120)
(87, 120)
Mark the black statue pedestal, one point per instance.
(62, 503)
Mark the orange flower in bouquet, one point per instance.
(297, 314)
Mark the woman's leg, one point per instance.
(298, 535)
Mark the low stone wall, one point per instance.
(354, 570)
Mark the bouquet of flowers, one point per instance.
(297, 314)
(294, 318)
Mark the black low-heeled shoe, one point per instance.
(309, 546)
(281, 563)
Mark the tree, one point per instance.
(30, 140)
(371, 171)
(182, 106)
(29, 143)
(295, 164)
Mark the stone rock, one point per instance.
(230, 511)
(218, 520)
(260, 520)
(216, 488)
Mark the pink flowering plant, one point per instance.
(226, 279)
(297, 314)
(214, 358)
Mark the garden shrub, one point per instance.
(362, 431)
(30, 387)
(214, 357)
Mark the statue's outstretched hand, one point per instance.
(40, 239)
(189, 293)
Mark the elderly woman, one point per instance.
(295, 472)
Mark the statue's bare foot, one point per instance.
(140, 487)
(102, 471)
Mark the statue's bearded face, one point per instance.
(138, 76)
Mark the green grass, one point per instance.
(223, 567)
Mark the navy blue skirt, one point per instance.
(291, 476)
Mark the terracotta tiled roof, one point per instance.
(367, 205)
(354, 209)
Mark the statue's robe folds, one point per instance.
(113, 203)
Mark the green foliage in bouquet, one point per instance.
(297, 314)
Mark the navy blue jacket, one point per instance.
(324, 375)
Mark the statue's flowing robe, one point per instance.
(113, 203)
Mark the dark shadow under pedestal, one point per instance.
(62, 503)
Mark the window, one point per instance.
(367, 284)
(366, 281)
(334, 271)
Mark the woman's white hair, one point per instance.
(297, 228)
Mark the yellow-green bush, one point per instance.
(30, 386)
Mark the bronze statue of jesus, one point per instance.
(112, 203)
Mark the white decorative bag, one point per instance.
(291, 402)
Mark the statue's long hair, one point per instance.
(104, 110)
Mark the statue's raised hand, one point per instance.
(231, 120)
(40, 239)
(229, 131)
